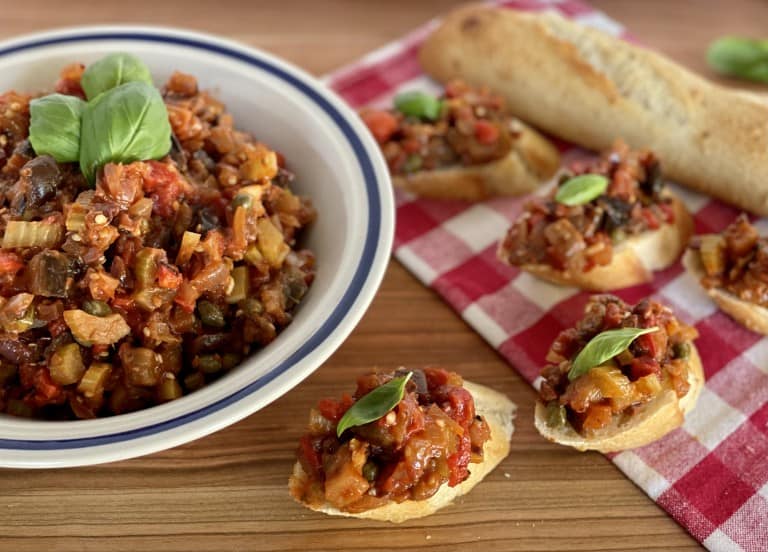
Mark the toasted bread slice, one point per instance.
(531, 161)
(654, 419)
(749, 315)
(634, 260)
(499, 413)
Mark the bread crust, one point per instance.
(753, 317)
(589, 88)
(499, 412)
(633, 261)
(657, 418)
(531, 161)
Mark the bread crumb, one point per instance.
(507, 475)
(429, 537)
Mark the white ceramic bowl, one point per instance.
(336, 162)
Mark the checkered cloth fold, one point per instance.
(711, 475)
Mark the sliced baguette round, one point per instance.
(654, 420)
(634, 260)
(531, 161)
(499, 413)
(587, 87)
(749, 315)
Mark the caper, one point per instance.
(210, 314)
(370, 471)
(209, 364)
(97, 308)
(618, 235)
(242, 200)
(681, 350)
(556, 416)
(230, 360)
(253, 307)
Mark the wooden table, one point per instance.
(228, 491)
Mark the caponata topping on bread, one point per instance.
(639, 356)
(425, 436)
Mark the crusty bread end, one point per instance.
(749, 315)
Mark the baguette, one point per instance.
(531, 161)
(651, 422)
(499, 413)
(587, 87)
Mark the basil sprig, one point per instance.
(125, 124)
(418, 104)
(581, 189)
(125, 119)
(372, 406)
(112, 71)
(603, 347)
(744, 58)
(55, 126)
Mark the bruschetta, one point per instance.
(464, 145)
(414, 455)
(622, 378)
(608, 224)
(732, 267)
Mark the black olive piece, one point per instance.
(205, 219)
(49, 274)
(24, 148)
(418, 379)
(654, 181)
(177, 153)
(617, 212)
(205, 159)
(43, 176)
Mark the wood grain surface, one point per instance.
(228, 491)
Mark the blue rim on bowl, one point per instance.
(34, 452)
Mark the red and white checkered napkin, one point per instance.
(712, 474)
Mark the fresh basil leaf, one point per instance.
(740, 57)
(111, 71)
(374, 405)
(125, 124)
(603, 347)
(581, 189)
(54, 127)
(418, 104)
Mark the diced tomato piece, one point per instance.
(486, 132)
(187, 296)
(650, 218)
(411, 145)
(10, 263)
(332, 409)
(382, 124)
(57, 327)
(669, 212)
(46, 389)
(462, 406)
(436, 377)
(308, 456)
(168, 277)
(165, 187)
(458, 462)
(643, 366)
